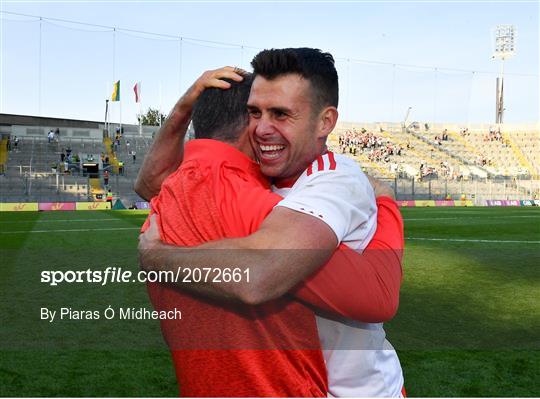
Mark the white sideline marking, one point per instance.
(469, 240)
(62, 220)
(407, 238)
(144, 216)
(477, 218)
(439, 211)
(69, 230)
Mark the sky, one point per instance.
(435, 57)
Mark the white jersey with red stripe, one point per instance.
(334, 189)
(359, 359)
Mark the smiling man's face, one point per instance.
(283, 127)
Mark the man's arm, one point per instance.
(363, 287)
(167, 150)
(288, 247)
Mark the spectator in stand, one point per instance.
(50, 136)
(121, 167)
(62, 156)
(379, 148)
(16, 143)
(445, 169)
(57, 133)
(106, 178)
(134, 154)
(493, 135)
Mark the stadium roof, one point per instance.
(32, 120)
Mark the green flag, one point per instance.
(116, 92)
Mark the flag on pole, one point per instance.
(116, 92)
(137, 90)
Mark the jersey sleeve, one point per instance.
(342, 198)
(363, 287)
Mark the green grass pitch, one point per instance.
(468, 322)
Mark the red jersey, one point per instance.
(219, 349)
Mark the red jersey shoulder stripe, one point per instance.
(332, 160)
(322, 165)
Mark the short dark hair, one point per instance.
(221, 114)
(310, 63)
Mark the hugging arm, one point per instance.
(277, 257)
(362, 286)
(167, 150)
(290, 246)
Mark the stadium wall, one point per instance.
(428, 203)
(54, 206)
(141, 205)
(478, 190)
(35, 126)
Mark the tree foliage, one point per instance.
(151, 117)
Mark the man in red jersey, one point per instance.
(225, 194)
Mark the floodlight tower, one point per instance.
(504, 49)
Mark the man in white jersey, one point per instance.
(360, 361)
(291, 120)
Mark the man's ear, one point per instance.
(327, 121)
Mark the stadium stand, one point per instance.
(421, 162)
(34, 170)
(447, 161)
